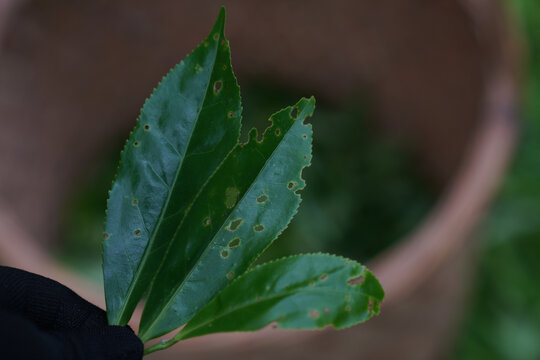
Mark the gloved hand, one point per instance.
(42, 319)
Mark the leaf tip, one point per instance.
(220, 21)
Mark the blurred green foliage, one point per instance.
(363, 193)
(504, 318)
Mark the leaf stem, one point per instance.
(163, 344)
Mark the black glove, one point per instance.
(42, 319)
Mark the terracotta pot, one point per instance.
(440, 75)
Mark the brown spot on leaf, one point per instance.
(258, 228)
(217, 86)
(294, 113)
(137, 232)
(206, 221)
(231, 195)
(356, 281)
(230, 275)
(314, 314)
(234, 243)
(235, 224)
(262, 199)
(224, 254)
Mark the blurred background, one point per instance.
(425, 167)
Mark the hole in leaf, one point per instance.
(206, 221)
(224, 254)
(278, 132)
(136, 143)
(323, 277)
(137, 232)
(147, 127)
(291, 185)
(305, 157)
(231, 195)
(235, 224)
(217, 86)
(356, 281)
(314, 314)
(230, 275)
(230, 114)
(304, 136)
(234, 243)
(262, 199)
(294, 113)
(258, 228)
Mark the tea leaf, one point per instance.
(185, 130)
(298, 292)
(244, 206)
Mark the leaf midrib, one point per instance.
(181, 285)
(171, 189)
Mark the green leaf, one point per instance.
(245, 205)
(185, 130)
(298, 292)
